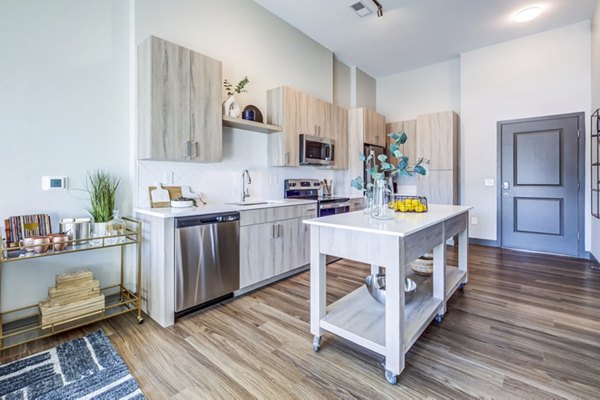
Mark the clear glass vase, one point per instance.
(368, 201)
(116, 228)
(381, 198)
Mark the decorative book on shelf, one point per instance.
(19, 227)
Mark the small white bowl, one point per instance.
(182, 204)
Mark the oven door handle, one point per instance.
(334, 205)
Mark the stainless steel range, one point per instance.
(310, 189)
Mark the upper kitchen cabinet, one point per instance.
(373, 126)
(409, 148)
(366, 126)
(340, 135)
(286, 108)
(179, 104)
(438, 139)
(298, 113)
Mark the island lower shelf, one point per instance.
(361, 319)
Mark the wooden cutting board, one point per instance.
(174, 193)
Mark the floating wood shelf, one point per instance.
(239, 123)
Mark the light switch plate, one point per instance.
(489, 182)
(474, 221)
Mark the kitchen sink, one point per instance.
(249, 203)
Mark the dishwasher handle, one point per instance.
(185, 222)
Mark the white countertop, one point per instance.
(401, 225)
(217, 208)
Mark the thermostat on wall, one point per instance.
(54, 183)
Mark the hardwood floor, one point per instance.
(526, 326)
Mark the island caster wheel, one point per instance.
(140, 320)
(439, 318)
(461, 287)
(317, 344)
(391, 377)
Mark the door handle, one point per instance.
(279, 231)
(274, 234)
(506, 185)
(186, 148)
(194, 152)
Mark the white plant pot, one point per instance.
(231, 108)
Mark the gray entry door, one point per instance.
(540, 184)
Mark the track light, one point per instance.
(379, 8)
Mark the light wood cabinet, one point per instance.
(438, 139)
(257, 253)
(373, 127)
(439, 186)
(357, 204)
(409, 148)
(271, 246)
(179, 103)
(340, 135)
(298, 113)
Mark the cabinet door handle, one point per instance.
(274, 234)
(286, 158)
(194, 146)
(186, 148)
(279, 230)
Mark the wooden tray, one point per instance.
(174, 193)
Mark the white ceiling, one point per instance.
(416, 33)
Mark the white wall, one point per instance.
(63, 111)
(363, 89)
(425, 90)
(595, 223)
(544, 74)
(249, 41)
(342, 85)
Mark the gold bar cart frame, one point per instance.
(29, 328)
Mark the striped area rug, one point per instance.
(84, 368)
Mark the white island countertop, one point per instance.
(169, 212)
(401, 225)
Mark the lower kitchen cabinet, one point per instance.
(357, 204)
(257, 253)
(274, 248)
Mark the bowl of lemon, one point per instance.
(411, 204)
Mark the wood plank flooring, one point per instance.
(526, 326)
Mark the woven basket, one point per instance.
(423, 265)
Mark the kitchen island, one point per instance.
(393, 244)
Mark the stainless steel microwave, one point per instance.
(316, 150)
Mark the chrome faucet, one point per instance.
(245, 192)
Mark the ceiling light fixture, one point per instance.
(527, 14)
(379, 8)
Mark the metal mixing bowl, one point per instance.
(376, 287)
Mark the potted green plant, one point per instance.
(377, 187)
(230, 106)
(102, 188)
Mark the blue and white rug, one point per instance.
(84, 368)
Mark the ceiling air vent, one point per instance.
(360, 9)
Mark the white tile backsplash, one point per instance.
(222, 182)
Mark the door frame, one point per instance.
(580, 172)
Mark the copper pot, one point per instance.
(59, 241)
(41, 244)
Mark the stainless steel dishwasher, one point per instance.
(207, 260)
